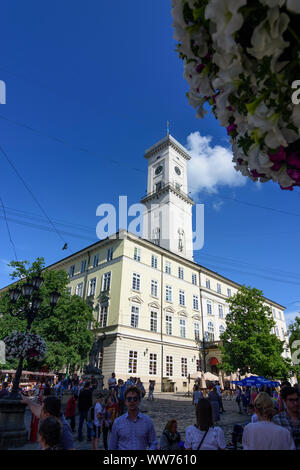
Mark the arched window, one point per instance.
(221, 329)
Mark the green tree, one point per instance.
(65, 331)
(294, 343)
(248, 341)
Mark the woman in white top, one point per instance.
(265, 435)
(204, 435)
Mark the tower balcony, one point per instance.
(167, 187)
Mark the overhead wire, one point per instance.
(8, 230)
(31, 193)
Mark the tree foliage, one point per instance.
(294, 342)
(248, 341)
(65, 331)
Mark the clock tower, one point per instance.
(168, 218)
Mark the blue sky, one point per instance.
(96, 82)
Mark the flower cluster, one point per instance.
(28, 345)
(242, 57)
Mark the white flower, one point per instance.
(267, 36)
(224, 13)
(293, 5)
(272, 3)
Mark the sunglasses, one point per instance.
(132, 399)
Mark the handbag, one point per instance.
(201, 442)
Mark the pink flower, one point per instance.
(294, 160)
(276, 166)
(294, 174)
(256, 174)
(231, 128)
(199, 68)
(278, 156)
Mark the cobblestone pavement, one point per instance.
(166, 406)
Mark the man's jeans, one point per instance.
(82, 417)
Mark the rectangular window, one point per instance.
(180, 273)
(194, 279)
(209, 307)
(282, 331)
(152, 364)
(158, 186)
(134, 320)
(169, 366)
(279, 315)
(154, 288)
(219, 290)
(96, 261)
(197, 330)
(72, 270)
(153, 321)
(168, 267)
(274, 313)
(181, 298)
(183, 367)
(106, 281)
(79, 289)
(276, 330)
(182, 328)
(154, 262)
(92, 286)
(136, 281)
(110, 253)
(103, 316)
(207, 283)
(137, 254)
(83, 266)
(168, 324)
(132, 364)
(229, 292)
(168, 293)
(221, 313)
(195, 302)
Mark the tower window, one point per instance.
(158, 186)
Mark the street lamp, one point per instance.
(29, 311)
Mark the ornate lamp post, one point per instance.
(29, 293)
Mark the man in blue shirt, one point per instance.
(133, 430)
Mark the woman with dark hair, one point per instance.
(204, 435)
(215, 403)
(170, 438)
(50, 434)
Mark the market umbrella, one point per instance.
(221, 380)
(203, 382)
(210, 376)
(231, 380)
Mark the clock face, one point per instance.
(158, 170)
(177, 170)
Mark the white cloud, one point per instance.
(210, 167)
(217, 205)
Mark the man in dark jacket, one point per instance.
(85, 401)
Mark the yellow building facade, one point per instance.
(152, 307)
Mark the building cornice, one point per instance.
(167, 141)
(168, 188)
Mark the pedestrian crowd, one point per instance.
(116, 416)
